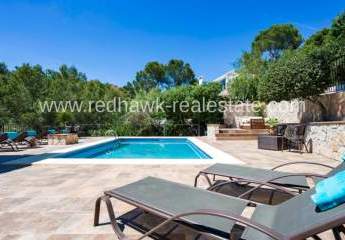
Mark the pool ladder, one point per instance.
(117, 140)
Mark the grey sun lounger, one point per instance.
(266, 192)
(214, 214)
(251, 174)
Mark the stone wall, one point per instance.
(286, 112)
(325, 129)
(306, 111)
(335, 105)
(212, 129)
(327, 138)
(293, 111)
(235, 113)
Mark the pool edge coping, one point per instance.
(217, 156)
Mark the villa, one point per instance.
(225, 80)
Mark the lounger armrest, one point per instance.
(255, 182)
(221, 214)
(297, 175)
(281, 177)
(302, 162)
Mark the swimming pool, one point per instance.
(141, 148)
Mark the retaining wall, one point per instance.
(328, 138)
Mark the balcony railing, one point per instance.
(337, 75)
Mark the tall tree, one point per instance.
(33, 79)
(276, 39)
(3, 68)
(302, 74)
(4, 74)
(338, 26)
(162, 76)
(179, 73)
(318, 39)
(244, 87)
(152, 76)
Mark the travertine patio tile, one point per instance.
(83, 223)
(82, 237)
(9, 204)
(30, 222)
(56, 202)
(52, 204)
(24, 237)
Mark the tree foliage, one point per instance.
(291, 70)
(267, 47)
(178, 73)
(306, 72)
(277, 68)
(23, 88)
(318, 39)
(244, 87)
(151, 77)
(183, 107)
(162, 76)
(276, 39)
(297, 74)
(338, 27)
(196, 97)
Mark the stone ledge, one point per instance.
(326, 123)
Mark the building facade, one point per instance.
(225, 80)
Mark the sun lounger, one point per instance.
(245, 173)
(42, 136)
(5, 140)
(214, 214)
(23, 137)
(266, 192)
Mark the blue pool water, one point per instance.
(173, 148)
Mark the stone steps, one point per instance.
(239, 134)
(238, 137)
(239, 130)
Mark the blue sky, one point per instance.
(111, 40)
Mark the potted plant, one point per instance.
(272, 124)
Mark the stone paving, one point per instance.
(55, 202)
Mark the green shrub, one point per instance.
(244, 87)
(299, 74)
(272, 122)
(260, 109)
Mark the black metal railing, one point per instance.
(106, 130)
(12, 127)
(182, 130)
(337, 75)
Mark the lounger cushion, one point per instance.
(330, 192)
(249, 173)
(51, 131)
(171, 198)
(12, 135)
(31, 133)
